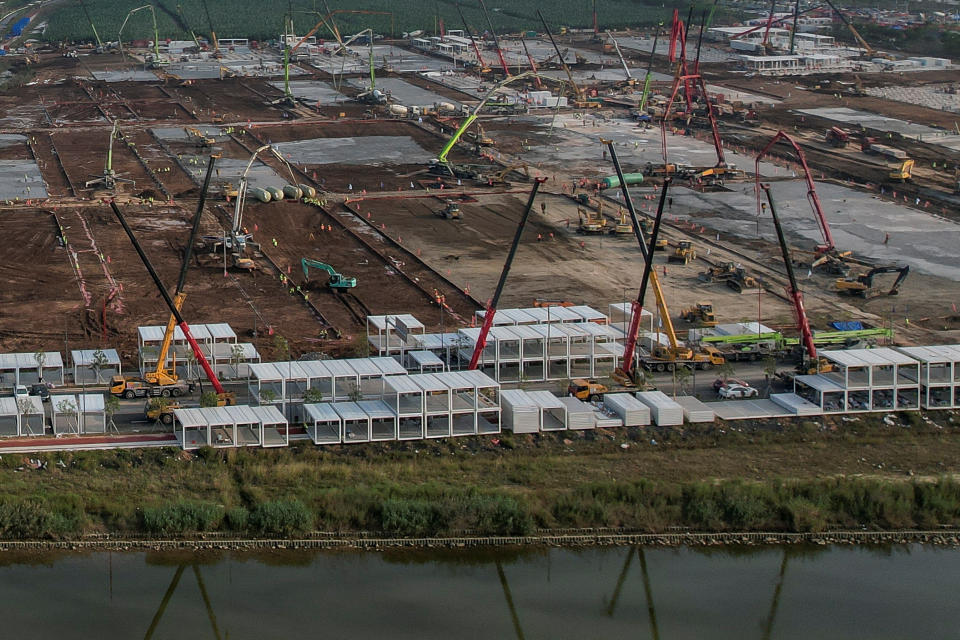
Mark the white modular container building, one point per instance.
(664, 411)
(356, 422)
(519, 413)
(553, 413)
(579, 414)
(631, 411)
(323, 423)
(694, 410)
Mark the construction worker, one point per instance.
(274, 242)
(543, 208)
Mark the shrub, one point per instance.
(409, 517)
(281, 518)
(181, 517)
(28, 518)
(236, 519)
(500, 515)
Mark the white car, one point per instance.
(20, 391)
(737, 391)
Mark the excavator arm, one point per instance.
(306, 263)
(895, 289)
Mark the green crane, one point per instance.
(157, 60)
(100, 47)
(646, 80)
(337, 280)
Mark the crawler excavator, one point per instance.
(862, 285)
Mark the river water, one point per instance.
(601, 592)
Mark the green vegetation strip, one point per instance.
(811, 477)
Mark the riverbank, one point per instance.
(585, 538)
(785, 477)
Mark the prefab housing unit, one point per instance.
(519, 413)
(633, 412)
(553, 413)
(64, 414)
(92, 412)
(405, 399)
(85, 370)
(324, 425)
(436, 405)
(664, 411)
(32, 419)
(9, 418)
(383, 421)
(939, 375)
(356, 422)
(24, 368)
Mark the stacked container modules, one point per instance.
(664, 411)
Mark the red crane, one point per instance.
(711, 116)
(492, 305)
(636, 311)
(496, 41)
(476, 49)
(766, 32)
(806, 335)
(828, 247)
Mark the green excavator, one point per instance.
(336, 281)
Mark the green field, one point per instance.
(253, 19)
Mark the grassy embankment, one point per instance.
(795, 477)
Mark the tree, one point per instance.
(355, 394)
(26, 408)
(237, 355)
(111, 404)
(681, 376)
(726, 370)
(282, 346)
(312, 396)
(159, 404)
(209, 399)
(68, 409)
(267, 396)
(769, 371)
(41, 358)
(97, 362)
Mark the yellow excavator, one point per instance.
(904, 172)
(862, 285)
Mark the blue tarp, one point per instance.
(850, 325)
(18, 27)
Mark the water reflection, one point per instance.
(611, 592)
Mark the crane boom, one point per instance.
(711, 116)
(649, 274)
(184, 327)
(646, 80)
(213, 33)
(496, 41)
(623, 63)
(546, 27)
(828, 246)
(796, 296)
(853, 30)
(492, 306)
(160, 374)
(92, 26)
(533, 65)
(473, 42)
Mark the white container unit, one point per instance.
(553, 413)
(356, 422)
(795, 404)
(519, 413)
(664, 411)
(323, 423)
(694, 410)
(383, 421)
(633, 412)
(579, 414)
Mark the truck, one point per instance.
(130, 387)
(662, 358)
